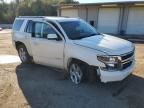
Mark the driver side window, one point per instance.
(42, 30)
(47, 29)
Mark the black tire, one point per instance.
(23, 54)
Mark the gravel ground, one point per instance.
(36, 86)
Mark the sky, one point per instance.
(91, 1)
(94, 1)
(8, 1)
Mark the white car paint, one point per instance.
(109, 44)
(48, 52)
(59, 53)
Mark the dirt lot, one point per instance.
(35, 86)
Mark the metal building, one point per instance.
(125, 18)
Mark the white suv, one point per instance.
(73, 45)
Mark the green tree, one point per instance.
(8, 12)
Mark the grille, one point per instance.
(126, 65)
(127, 60)
(126, 56)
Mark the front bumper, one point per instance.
(107, 76)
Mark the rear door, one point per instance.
(47, 51)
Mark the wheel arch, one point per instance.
(76, 60)
(17, 43)
(90, 72)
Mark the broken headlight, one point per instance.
(111, 62)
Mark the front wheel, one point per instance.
(76, 72)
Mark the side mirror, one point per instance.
(52, 37)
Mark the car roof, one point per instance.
(59, 19)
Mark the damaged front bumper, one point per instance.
(118, 75)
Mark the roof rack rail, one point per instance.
(65, 16)
(32, 16)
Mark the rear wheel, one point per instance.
(23, 54)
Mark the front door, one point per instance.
(47, 45)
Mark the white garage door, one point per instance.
(136, 21)
(69, 12)
(108, 20)
(82, 13)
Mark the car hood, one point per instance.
(109, 44)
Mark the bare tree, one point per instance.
(17, 7)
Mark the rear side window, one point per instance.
(29, 27)
(17, 24)
(38, 30)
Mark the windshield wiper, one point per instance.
(90, 35)
(93, 34)
(80, 37)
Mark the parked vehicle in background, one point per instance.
(73, 45)
(0, 29)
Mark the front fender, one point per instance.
(84, 54)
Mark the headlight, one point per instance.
(111, 62)
(108, 59)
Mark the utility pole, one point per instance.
(17, 8)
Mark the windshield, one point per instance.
(78, 29)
